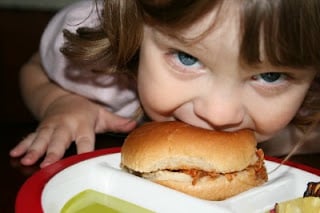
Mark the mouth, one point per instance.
(205, 125)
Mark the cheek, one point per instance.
(155, 90)
(155, 100)
(271, 118)
(271, 122)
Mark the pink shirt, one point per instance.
(117, 93)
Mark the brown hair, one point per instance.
(114, 43)
(289, 31)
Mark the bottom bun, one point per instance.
(210, 188)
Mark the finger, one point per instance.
(38, 146)
(85, 144)
(41, 140)
(127, 126)
(49, 159)
(61, 139)
(23, 146)
(85, 139)
(118, 124)
(44, 137)
(31, 157)
(33, 146)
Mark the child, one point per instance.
(221, 65)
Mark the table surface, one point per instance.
(15, 174)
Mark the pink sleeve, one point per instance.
(117, 93)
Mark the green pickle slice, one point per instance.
(89, 201)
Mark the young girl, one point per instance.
(220, 65)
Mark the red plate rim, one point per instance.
(294, 164)
(29, 195)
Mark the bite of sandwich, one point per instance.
(207, 164)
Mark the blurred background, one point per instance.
(35, 4)
(21, 25)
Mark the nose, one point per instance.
(220, 111)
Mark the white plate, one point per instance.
(103, 174)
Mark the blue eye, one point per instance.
(183, 62)
(271, 76)
(186, 59)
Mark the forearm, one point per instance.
(37, 90)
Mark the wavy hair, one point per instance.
(289, 31)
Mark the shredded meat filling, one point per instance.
(196, 174)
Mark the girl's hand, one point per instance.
(67, 119)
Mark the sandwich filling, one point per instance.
(196, 174)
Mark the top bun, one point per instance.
(175, 145)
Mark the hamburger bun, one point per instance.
(206, 164)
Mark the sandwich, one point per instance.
(207, 164)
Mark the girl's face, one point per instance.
(205, 85)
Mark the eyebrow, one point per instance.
(179, 42)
